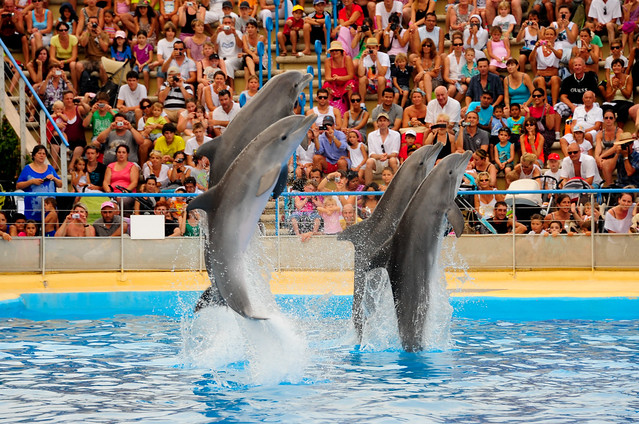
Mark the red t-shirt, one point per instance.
(343, 16)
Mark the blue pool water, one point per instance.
(576, 361)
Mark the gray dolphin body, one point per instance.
(235, 204)
(274, 101)
(371, 233)
(410, 255)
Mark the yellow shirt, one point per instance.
(60, 52)
(153, 120)
(169, 149)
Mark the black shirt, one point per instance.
(96, 177)
(575, 89)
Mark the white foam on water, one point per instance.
(380, 331)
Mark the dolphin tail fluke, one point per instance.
(205, 201)
(456, 219)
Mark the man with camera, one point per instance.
(384, 10)
(174, 93)
(374, 70)
(120, 132)
(96, 44)
(331, 153)
(229, 46)
(471, 137)
(186, 67)
(12, 26)
(628, 160)
(75, 224)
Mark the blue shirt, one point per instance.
(329, 150)
(33, 205)
(515, 126)
(485, 115)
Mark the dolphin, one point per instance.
(234, 206)
(273, 101)
(410, 255)
(371, 233)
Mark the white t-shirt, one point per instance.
(227, 45)
(165, 48)
(305, 156)
(609, 59)
(380, 10)
(220, 115)
(132, 98)
(555, 175)
(587, 119)
(612, 8)
(391, 144)
(186, 68)
(384, 60)
(504, 22)
(588, 168)
(585, 145)
(452, 108)
(192, 146)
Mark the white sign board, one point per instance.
(147, 227)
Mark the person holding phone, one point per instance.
(75, 224)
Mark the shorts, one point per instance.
(526, 53)
(154, 137)
(403, 87)
(146, 68)
(562, 109)
(91, 65)
(379, 166)
(160, 74)
(371, 87)
(331, 167)
(317, 33)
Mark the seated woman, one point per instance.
(442, 132)
(356, 118)
(155, 168)
(453, 65)
(367, 203)
(485, 203)
(340, 76)
(619, 218)
(429, 68)
(531, 141)
(415, 114)
(605, 150)
(145, 205)
(350, 14)
(122, 176)
(544, 60)
(54, 86)
(64, 47)
(481, 163)
(618, 92)
(476, 37)
(37, 176)
(545, 114)
(39, 27)
(562, 213)
(528, 34)
(586, 50)
(518, 86)
(458, 16)
(180, 170)
(526, 168)
(305, 220)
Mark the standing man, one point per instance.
(383, 149)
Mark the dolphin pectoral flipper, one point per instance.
(206, 201)
(456, 219)
(268, 179)
(354, 233)
(381, 257)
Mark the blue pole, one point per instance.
(269, 28)
(302, 101)
(35, 95)
(309, 69)
(318, 51)
(260, 53)
(276, 3)
(334, 3)
(327, 22)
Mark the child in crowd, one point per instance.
(529, 33)
(555, 228)
(305, 157)
(537, 225)
(30, 229)
(154, 123)
(178, 204)
(315, 26)
(120, 49)
(515, 123)
(51, 224)
(305, 221)
(101, 115)
(53, 137)
(290, 31)
(252, 85)
(387, 177)
(368, 203)
(584, 219)
(19, 223)
(469, 70)
(143, 54)
(110, 26)
(498, 49)
(79, 176)
(553, 170)
(401, 73)
(357, 152)
(505, 20)
(504, 151)
(331, 214)
(497, 123)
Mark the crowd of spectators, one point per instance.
(457, 83)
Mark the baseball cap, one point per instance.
(318, 2)
(553, 156)
(409, 132)
(120, 34)
(245, 5)
(298, 7)
(328, 120)
(578, 128)
(227, 4)
(383, 115)
(107, 204)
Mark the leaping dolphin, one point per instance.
(371, 233)
(234, 206)
(410, 255)
(273, 101)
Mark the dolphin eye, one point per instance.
(450, 172)
(284, 138)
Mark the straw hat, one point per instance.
(336, 45)
(624, 138)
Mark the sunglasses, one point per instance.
(573, 152)
(145, 107)
(178, 50)
(536, 96)
(356, 100)
(609, 117)
(322, 97)
(530, 124)
(63, 30)
(458, 44)
(383, 149)
(483, 180)
(615, 47)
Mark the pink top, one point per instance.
(121, 8)
(499, 50)
(120, 178)
(331, 223)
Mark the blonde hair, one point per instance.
(528, 158)
(58, 103)
(443, 116)
(503, 5)
(155, 153)
(157, 105)
(401, 56)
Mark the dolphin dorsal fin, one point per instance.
(456, 219)
(205, 201)
(355, 233)
(268, 179)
